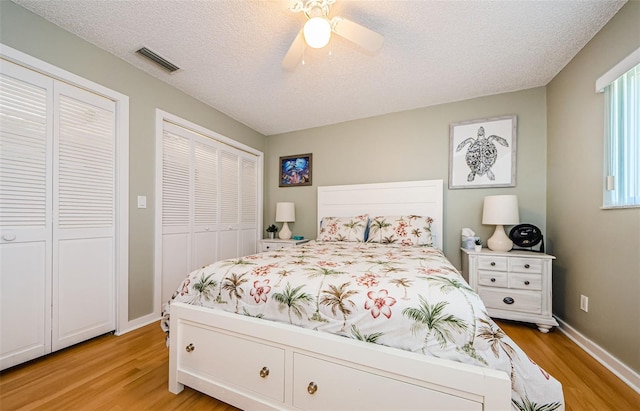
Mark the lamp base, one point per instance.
(285, 232)
(499, 241)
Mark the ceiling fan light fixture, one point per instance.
(317, 32)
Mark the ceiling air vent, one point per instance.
(162, 62)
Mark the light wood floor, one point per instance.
(130, 373)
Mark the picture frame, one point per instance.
(482, 153)
(295, 170)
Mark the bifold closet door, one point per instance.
(209, 203)
(57, 214)
(176, 209)
(25, 214)
(83, 216)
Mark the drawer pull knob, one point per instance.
(526, 282)
(9, 237)
(493, 280)
(527, 266)
(264, 372)
(508, 300)
(190, 348)
(312, 388)
(493, 263)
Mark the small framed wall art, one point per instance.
(295, 170)
(482, 153)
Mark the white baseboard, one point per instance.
(626, 374)
(138, 323)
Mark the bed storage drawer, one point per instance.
(323, 385)
(231, 360)
(513, 300)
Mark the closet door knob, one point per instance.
(312, 388)
(264, 372)
(190, 348)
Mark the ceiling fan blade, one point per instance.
(362, 36)
(295, 53)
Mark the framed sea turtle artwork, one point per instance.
(483, 153)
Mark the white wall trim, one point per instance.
(616, 71)
(626, 374)
(122, 167)
(139, 323)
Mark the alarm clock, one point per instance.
(527, 236)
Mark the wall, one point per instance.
(35, 36)
(598, 251)
(414, 145)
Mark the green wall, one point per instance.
(414, 145)
(598, 251)
(35, 36)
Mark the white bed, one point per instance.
(252, 363)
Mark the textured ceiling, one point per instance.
(230, 51)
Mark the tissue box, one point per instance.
(468, 243)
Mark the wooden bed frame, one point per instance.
(258, 364)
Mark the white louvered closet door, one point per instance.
(176, 209)
(205, 215)
(83, 216)
(248, 205)
(25, 214)
(209, 203)
(57, 213)
(229, 205)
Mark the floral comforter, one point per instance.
(405, 297)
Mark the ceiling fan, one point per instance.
(316, 32)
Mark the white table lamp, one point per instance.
(285, 213)
(500, 210)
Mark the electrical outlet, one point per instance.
(584, 303)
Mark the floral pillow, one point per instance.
(405, 230)
(343, 228)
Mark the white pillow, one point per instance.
(404, 229)
(343, 228)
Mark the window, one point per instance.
(621, 185)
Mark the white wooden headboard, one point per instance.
(402, 198)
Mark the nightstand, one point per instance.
(514, 285)
(269, 244)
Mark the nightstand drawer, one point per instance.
(274, 246)
(493, 278)
(512, 300)
(525, 265)
(525, 281)
(492, 263)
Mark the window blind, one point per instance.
(622, 141)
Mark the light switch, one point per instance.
(142, 201)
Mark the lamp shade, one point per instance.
(285, 212)
(500, 210)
